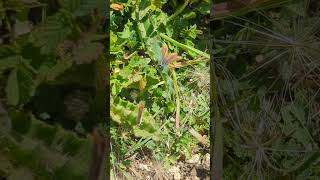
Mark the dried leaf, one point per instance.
(117, 7)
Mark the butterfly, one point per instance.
(168, 58)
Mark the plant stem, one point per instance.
(181, 8)
(183, 46)
(176, 90)
(189, 63)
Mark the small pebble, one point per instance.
(206, 162)
(194, 159)
(177, 176)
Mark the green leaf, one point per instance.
(51, 33)
(154, 49)
(26, 85)
(142, 30)
(191, 32)
(298, 112)
(127, 31)
(84, 7)
(20, 86)
(145, 134)
(8, 62)
(143, 13)
(12, 88)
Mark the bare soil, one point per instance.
(196, 168)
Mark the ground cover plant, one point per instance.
(159, 87)
(52, 87)
(266, 91)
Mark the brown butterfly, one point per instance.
(168, 58)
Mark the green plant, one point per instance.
(267, 92)
(48, 49)
(33, 144)
(140, 74)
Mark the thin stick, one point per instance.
(176, 89)
(183, 46)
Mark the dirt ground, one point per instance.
(196, 168)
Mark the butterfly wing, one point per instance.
(168, 58)
(172, 57)
(164, 49)
(164, 52)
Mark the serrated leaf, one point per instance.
(145, 134)
(51, 33)
(123, 111)
(127, 31)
